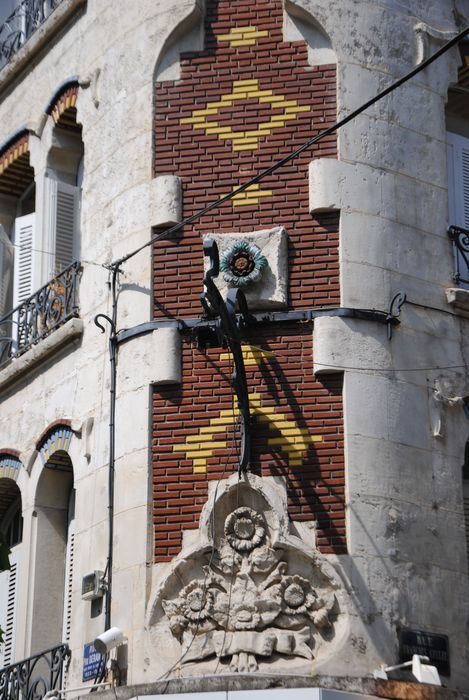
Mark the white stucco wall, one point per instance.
(113, 53)
(407, 565)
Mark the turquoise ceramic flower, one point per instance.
(242, 264)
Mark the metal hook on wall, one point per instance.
(394, 311)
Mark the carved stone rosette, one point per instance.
(254, 598)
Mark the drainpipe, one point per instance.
(112, 321)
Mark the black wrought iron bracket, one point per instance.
(395, 305)
(230, 326)
(460, 238)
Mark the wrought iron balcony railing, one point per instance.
(47, 309)
(32, 678)
(460, 238)
(21, 24)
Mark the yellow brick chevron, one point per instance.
(242, 36)
(281, 118)
(239, 139)
(193, 120)
(245, 147)
(292, 440)
(204, 112)
(246, 202)
(222, 130)
(251, 355)
(242, 84)
(250, 196)
(271, 98)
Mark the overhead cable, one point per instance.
(294, 154)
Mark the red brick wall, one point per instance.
(286, 384)
(210, 167)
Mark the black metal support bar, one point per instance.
(112, 321)
(229, 329)
(187, 324)
(35, 676)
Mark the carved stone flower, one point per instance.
(244, 617)
(242, 264)
(198, 602)
(297, 596)
(244, 529)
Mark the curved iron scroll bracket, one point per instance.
(460, 238)
(396, 303)
(230, 329)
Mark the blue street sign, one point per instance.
(93, 662)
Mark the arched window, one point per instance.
(11, 531)
(54, 550)
(64, 177)
(18, 263)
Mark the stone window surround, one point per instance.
(74, 327)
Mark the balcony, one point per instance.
(40, 314)
(21, 24)
(36, 676)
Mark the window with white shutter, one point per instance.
(466, 514)
(8, 607)
(25, 256)
(6, 272)
(458, 194)
(64, 202)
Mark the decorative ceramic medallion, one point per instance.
(256, 262)
(242, 264)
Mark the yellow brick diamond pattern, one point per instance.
(245, 140)
(242, 36)
(290, 438)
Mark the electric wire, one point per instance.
(115, 265)
(328, 365)
(50, 252)
(294, 154)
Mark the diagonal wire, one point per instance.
(294, 154)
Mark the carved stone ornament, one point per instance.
(252, 598)
(256, 262)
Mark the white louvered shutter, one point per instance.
(68, 588)
(69, 564)
(9, 607)
(466, 515)
(25, 255)
(458, 189)
(63, 223)
(458, 152)
(6, 272)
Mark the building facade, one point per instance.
(266, 486)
